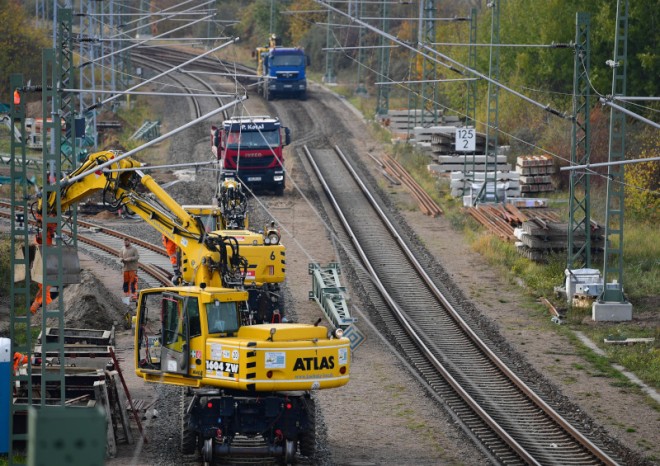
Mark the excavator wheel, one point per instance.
(307, 439)
(189, 438)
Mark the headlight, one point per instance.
(272, 238)
(338, 333)
(278, 177)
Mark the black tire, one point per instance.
(307, 439)
(188, 436)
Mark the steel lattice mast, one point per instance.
(579, 208)
(488, 192)
(428, 88)
(613, 262)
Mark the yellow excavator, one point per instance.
(239, 378)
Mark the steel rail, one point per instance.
(154, 271)
(416, 326)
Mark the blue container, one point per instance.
(5, 392)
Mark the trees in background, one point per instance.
(20, 46)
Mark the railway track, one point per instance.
(521, 440)
(513, 425)
(496, 408)
(154, 263)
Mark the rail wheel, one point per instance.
(308, 438)
(290, 449)
(207, 452)
(188, 436)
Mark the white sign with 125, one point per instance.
(465, 140)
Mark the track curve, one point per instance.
(514, 425)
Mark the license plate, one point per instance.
(288, 85)
(254, 178)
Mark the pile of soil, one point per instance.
(89, 304)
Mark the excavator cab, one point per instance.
(173, 324)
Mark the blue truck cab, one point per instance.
(282, 71)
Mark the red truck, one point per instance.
(253, 148)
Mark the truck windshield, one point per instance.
(222, 317)
(287, 60)
(253, 139)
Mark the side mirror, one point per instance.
(307, 62)
(287, 136)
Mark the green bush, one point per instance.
(642, 198)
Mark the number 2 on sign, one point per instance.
(465, 140)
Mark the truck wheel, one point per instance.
(188, 436)
(307, 439)
(303, 95)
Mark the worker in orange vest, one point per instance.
(38, 300)
(129, 259)
(19, 360)
(172, 252)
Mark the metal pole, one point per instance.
(580, 198)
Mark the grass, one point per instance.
(4, 460)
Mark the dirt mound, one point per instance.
(105, 215)
(89, 304)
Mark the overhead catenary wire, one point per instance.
(159, 167)
(171, 94)
(145, 14)
(215, 49)
(608, 164)
(554, 155)
(127, 31)
(544, 107)
(426, 81)
(553, 45)
(451, 66)
(68, 181)
(137, 44)
(609, 102)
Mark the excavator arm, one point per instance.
(210, 258)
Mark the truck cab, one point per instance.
(253, 148)
(282, 70)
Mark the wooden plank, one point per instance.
(101, 395)
(627, 341)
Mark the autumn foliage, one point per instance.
(643, 181)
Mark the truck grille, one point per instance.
(255, 162)
(287, 74)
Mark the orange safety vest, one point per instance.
(19, 360)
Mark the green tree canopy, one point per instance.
(21, 42)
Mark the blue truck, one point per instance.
(281, 71)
